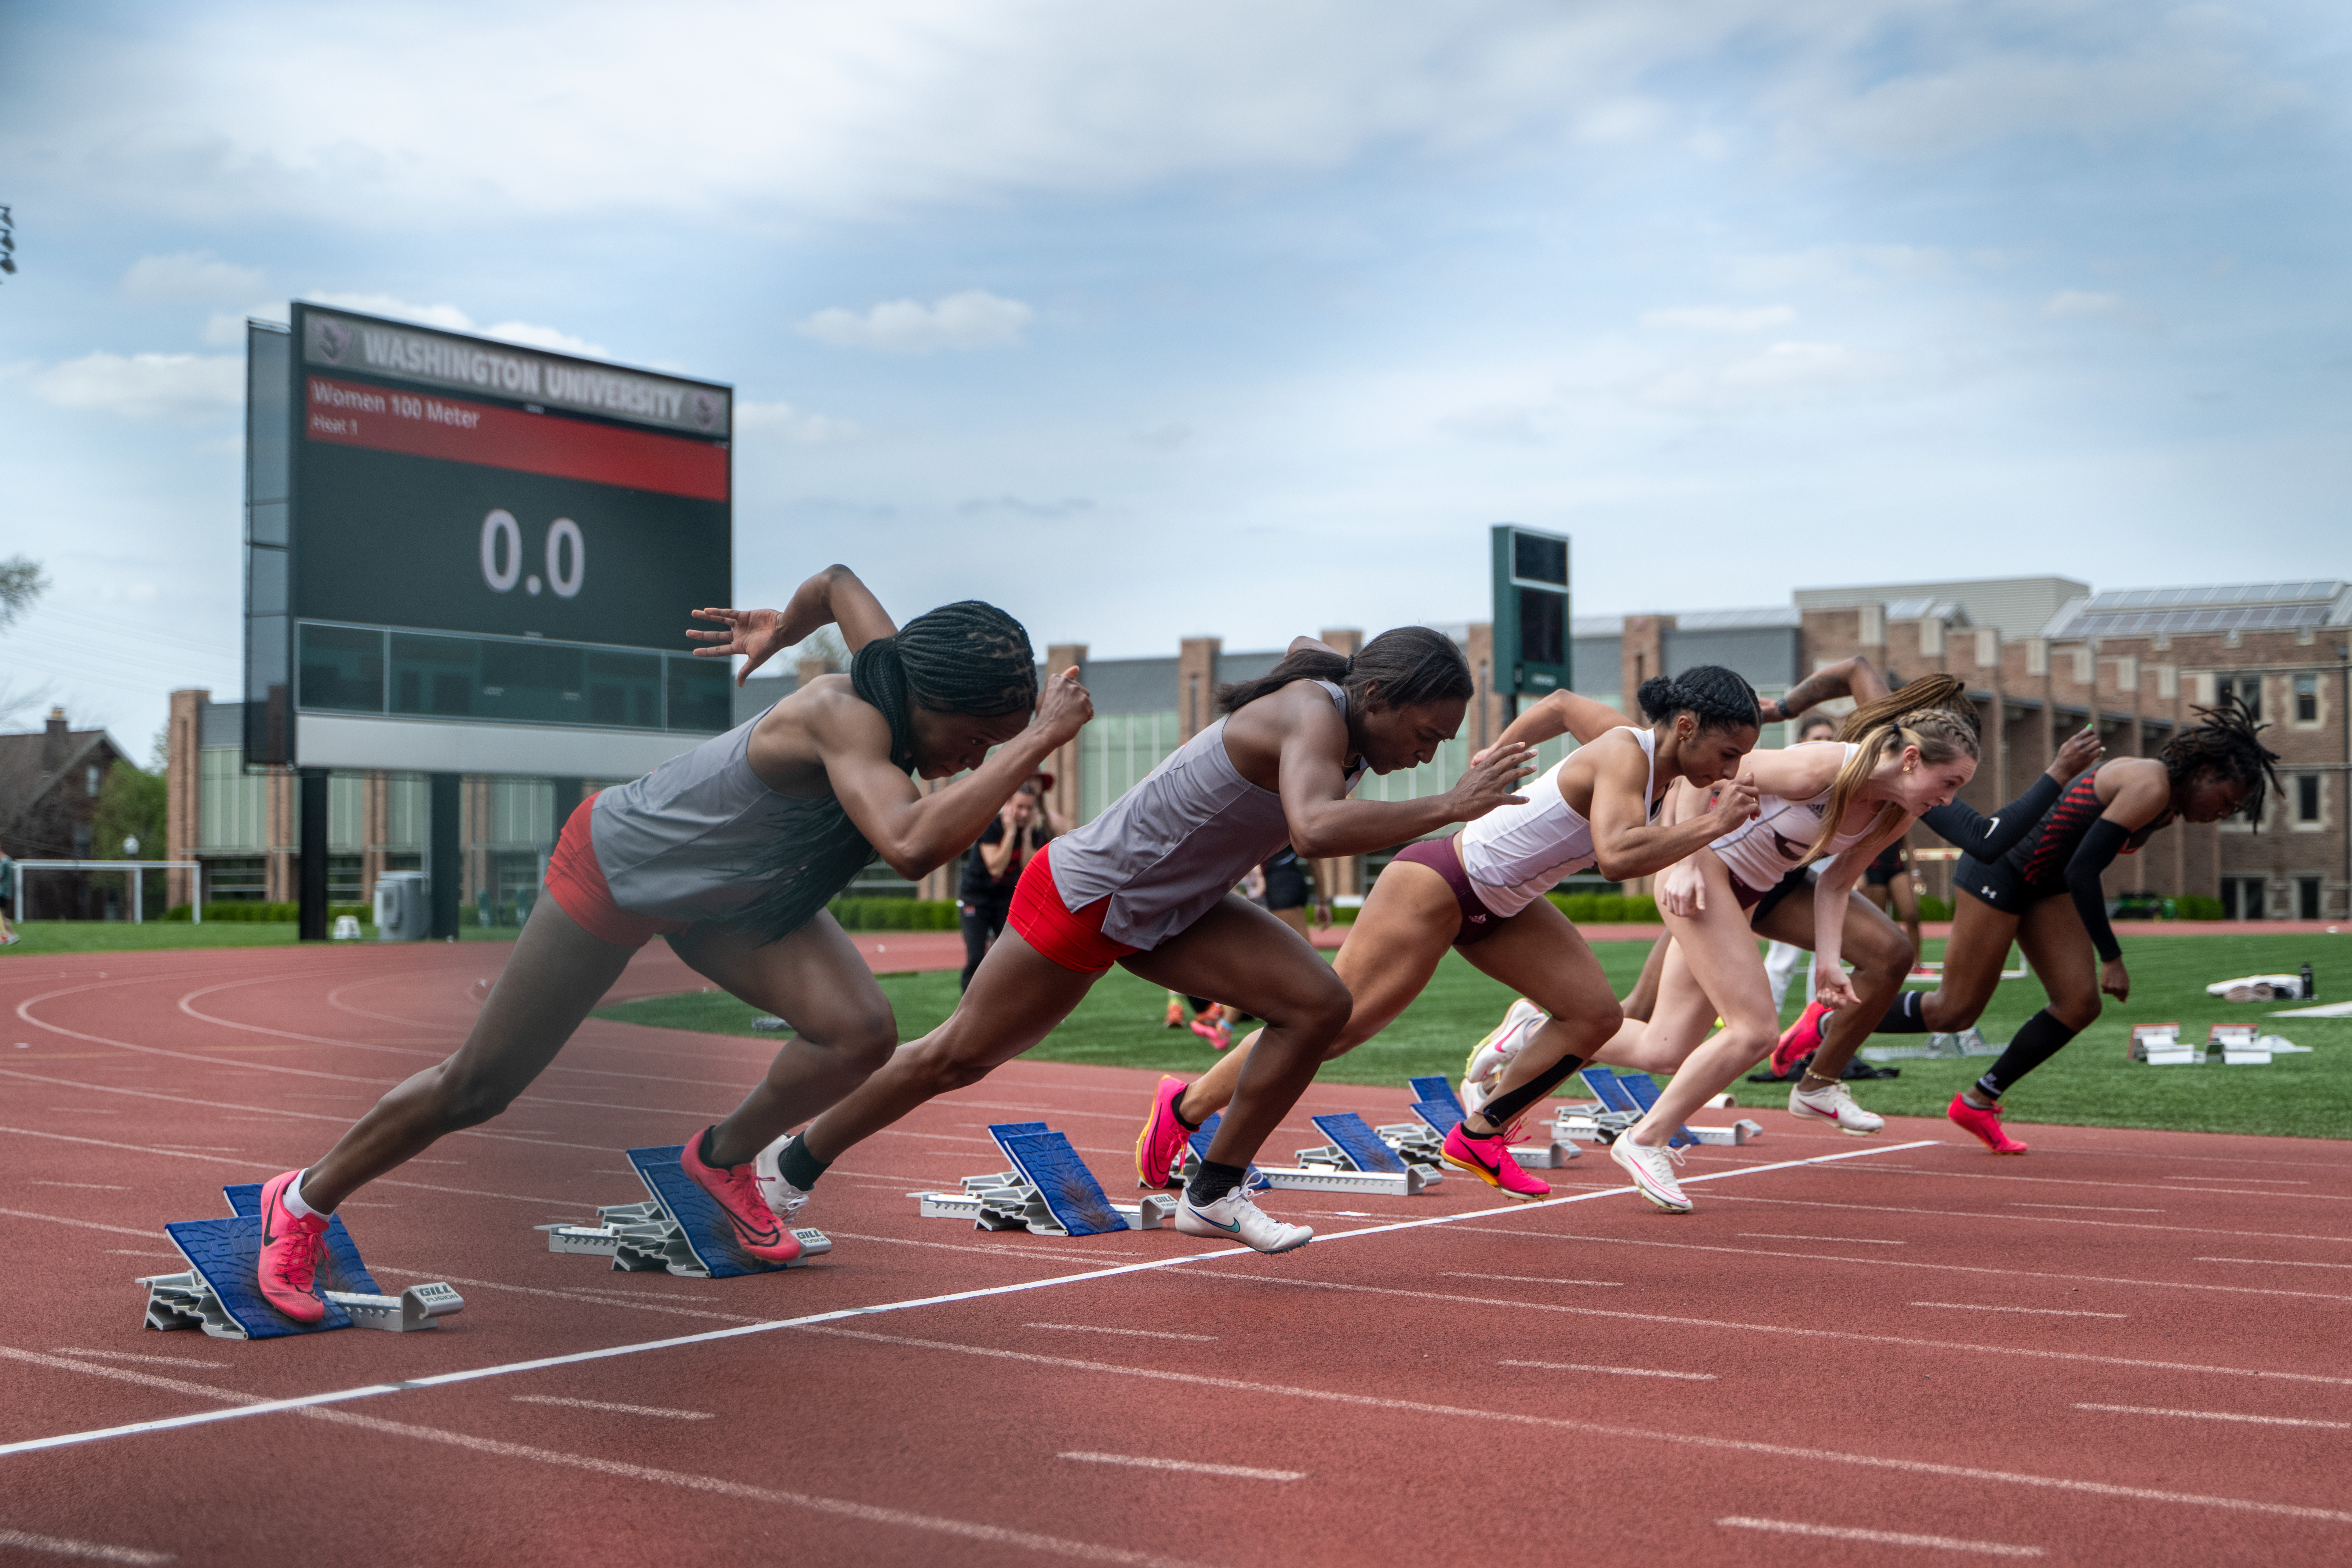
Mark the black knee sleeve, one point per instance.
(1505, 1108)
(2037, 1039)
(1907, 1016)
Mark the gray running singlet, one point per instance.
(1171, 846)
(701, 837)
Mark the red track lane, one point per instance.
(1925, 1343)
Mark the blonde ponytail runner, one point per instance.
(1933, 713)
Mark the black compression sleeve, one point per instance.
(2100, 846)
(1990, 838)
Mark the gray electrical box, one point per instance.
(404, 907)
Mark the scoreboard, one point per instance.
(466, 555)
(1531, 597)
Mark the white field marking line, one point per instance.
(1008, 1250)
(2036, 1354)
(1530, 1279)
(711, 1485)
(1135, 1333)
(1912, 1263)
(2037, 1312)
(85, 1223)
(573, 1203)
(2086, 1208)
(138, 1252)
(1611, 1371)
(2042, 1219)
(2127, 1187)
(58, 1546)
(1236, 1472)
(563, 1295)
(2219, 1415)
(1857, 1240)
(369, 1391)
(2266, 1180)
(81, 1186)
(1879, 1537)
(1602, 1429)
(80, 1111)
(2275, 1262)
(151, 1359)
(2199, 1158)
(616, 1409)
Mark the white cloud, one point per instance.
(2075, 304)
(226, 329)
(551, 338)
(146, 386)
(446, 317)
(197, 275)
(1721, 319)
(974, 319)
(1781, 375)
(792, 426)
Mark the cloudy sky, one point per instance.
(1243, 319)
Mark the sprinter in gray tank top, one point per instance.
(741, 841)
(1154, 876)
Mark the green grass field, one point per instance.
(2091, 1083)
(45, 937)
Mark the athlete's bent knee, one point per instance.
(863, 1041)
(2077, 1014)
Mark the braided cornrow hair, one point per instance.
(2227, 744)
(1408, 665)
(1717, 698)
(965, 657)
(1932, 713)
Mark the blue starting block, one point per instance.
(1356, 1160)
(1196, 1148)
(1437, 1109)
(221, 1291)
(679, 1228)
(1625, 1098)
(1048, 1191)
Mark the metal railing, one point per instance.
(195, 867)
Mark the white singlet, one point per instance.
(1760, 852)
(1515, 853)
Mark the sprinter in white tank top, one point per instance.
(1482, 890)
(1905, 755)
(1149, 887)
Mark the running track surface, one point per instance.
(2125, 1348)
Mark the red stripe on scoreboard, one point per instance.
(346, 414)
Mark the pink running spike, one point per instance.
(292, 1247)
(1489, 1160)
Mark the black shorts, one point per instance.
(2000, 885)
(1765, 902)
(1285, 887)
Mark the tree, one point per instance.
(21, 584)
(131, 805)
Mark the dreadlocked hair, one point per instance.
(1399, 669)
(967, 658)
(1932, 713)
(2227, 744)
(1717, 698)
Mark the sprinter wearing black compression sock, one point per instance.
(2045, 895)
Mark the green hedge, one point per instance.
(1934, 909)
(894, 914)
(2196, 907)
(1607, 909)
(255, 911)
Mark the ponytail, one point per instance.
(1399, 669)
(1717, 698)
(1933, 713)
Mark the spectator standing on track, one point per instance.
(8, 938)
(994, 865)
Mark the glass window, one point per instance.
(2306, 700)
(625, 690)
(2306, 797)
(342, 669)
(2249, 689)
(90, 776)
(701, 694)
(2307, 898)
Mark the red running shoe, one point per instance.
(1212, 1027)
(291, 1250)
(1160, 1147)
(1489, 1160)
(1802, 1039)
(1984, 1126)
(737, 1188)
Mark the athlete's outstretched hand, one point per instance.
(757, 634)
(1735, 804)
(1681, 890)
(2081, 749)
(1831, 987)
(1489, 779)
(1064, 707)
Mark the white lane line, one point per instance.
(2266, 1180)
(1880, 1537)
(1134, 1333)
(840, 1507)
(2219, 1415)
(2038, 1311)
(58, 1546)
(573, 1203)
(85, 1223)
(2275, 1262)
(1531, 1280)
(1611, 1371)
(2126, 1186)
(1238, 1472)
(2088, 1208)
(85, 1186)
(370, 1391)
(1909, 1263)
(617, 1409)
(1602, 1429)
(2234, 1233)
(1857, 1240)
(141, 1252)
(150, 1359)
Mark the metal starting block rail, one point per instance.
(1438, 1108)
(1048, 1192)
(679, 1229)
(1356, 1160)
(221, 1291)
(1623, 1099)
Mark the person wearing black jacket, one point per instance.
(992, 866)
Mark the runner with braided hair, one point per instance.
(2045, 895)
(732, 852)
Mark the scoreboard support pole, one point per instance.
(312, 861)
(444, 868)
(567, 801)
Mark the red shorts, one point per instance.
(577, 883)
(1072, 939)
